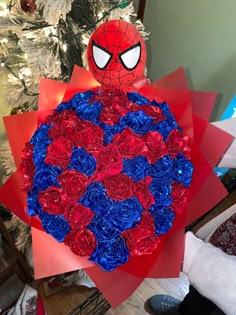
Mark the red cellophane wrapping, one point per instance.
(192, 110)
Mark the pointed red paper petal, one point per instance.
(83, 79)
(116, 288)
(53, 258)
(13, 197)
(175, 80)
(19, 129)
(203, 103)
(206, 190)
(172, 251)
(199, 127)
(211, 193)
(213, 152)
(51, 94)
(205, 133)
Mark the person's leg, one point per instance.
(211, 272)
(194, 303)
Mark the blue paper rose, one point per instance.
(137, 98)
(165, 127)
(136, 168)
(41, 141)
(82, 162)
(163, 219)
(182, 170)
(74, 102)
(103, 229)
(33, 205)
(40, 152)
(110, 131)
(65, 106)
(139, 122)
(87, 95)
(161, 192)
(55, 225)
(125, 214)
(161, 170)
(110, 255)
(41, 134)
(46, 176)
(89, 111)
(96, 199)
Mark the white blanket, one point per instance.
(211, 272)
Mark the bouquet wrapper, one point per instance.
(192, 110)
(228, 125)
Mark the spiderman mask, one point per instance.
(116, 54)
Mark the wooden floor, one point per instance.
(135, 304)
(64, 302)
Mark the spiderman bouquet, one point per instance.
(113, 169)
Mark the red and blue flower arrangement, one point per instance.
(103, 173)
(109, 173)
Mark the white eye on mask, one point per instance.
(130, 57)
(101, 56)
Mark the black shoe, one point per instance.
(162, 305)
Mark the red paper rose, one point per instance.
(110, 116)
(154, 112)
(118, 187)
(130, 144)
(109, 161)
(117, 99)
(73, 183)
(145, 246)
(66, 124)
(60, 116)
(81, 243)
(78, 216)
(27, 167)
(90, 138)
(59, 152)
(118, 107)
(156, 146)
(177, 143)
(132, 107)
(142, 192)
(53, 117)
(179, 197)
(53, 200)
(141, 239)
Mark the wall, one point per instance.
(199, 35)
